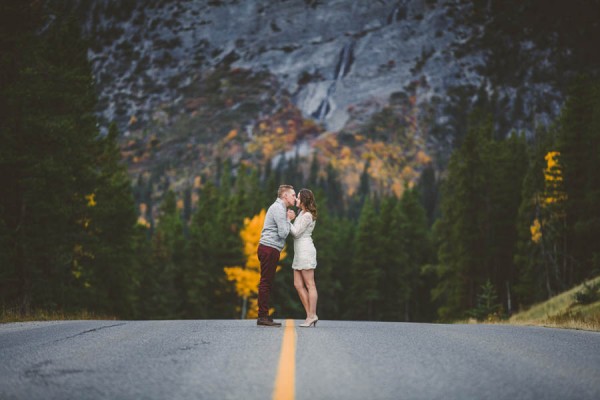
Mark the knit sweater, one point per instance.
(276, 227)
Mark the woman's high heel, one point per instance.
(309, 324)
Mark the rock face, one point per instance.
(329, 55)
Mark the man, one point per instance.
(271, 243)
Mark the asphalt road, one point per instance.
(337, 360)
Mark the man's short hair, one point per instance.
(283, 189)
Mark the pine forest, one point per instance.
(514, 220)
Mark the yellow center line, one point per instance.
(285, 385)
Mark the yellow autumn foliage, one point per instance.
(247, 277)
(246, 280)
(91, 198)
(346, 152)
(197, 182)
(536, 231)
(79, 254)
(552, 163)
(143, 222)
(553, 179)
(552, 197)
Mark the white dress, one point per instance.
(305, 253)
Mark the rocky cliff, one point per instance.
(257, 79)
(330, 55)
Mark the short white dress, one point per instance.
(305, 253)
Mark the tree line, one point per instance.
(514, 219)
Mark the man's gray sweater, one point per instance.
(276, 227)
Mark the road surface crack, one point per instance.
(89, 331)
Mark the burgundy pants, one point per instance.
(268, 257)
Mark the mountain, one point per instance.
(382, 86)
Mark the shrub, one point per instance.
(487, 304)
(587, 295)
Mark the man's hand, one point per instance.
(291, 214)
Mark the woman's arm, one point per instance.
(302, 223)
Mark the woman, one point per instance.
(305, 255)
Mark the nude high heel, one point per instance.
(312, 323)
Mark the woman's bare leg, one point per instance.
(301, 288)
(308, 275)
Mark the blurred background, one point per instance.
(452, 145)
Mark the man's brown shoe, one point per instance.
(266, 321)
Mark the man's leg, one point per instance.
(268, 257)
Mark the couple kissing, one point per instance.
(278, 224)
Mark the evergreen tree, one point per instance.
(366, 270)
(201, 266)
(270, 189)
(227, 247)
(313, 175)
(578, 144)
(415, 244)
(110, 229)
(357, 201)
(170, 228)
(487, 303)
(477, 233)
(55, 168)
(334, 192)
(7, 272)
(392, 287)
(508, 165)
(143, 282)
(161, 291)
(429, 189)
(559, 220)
(333, 240)
(459, 230)
(533, 273)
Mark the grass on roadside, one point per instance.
(12, 315)
(562, 311)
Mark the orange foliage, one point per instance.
(197, 182)
(394, 161)
(232, 134)
(389, 166)
(279, 132)
(422, 158)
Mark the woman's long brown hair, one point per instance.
(307, 199)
